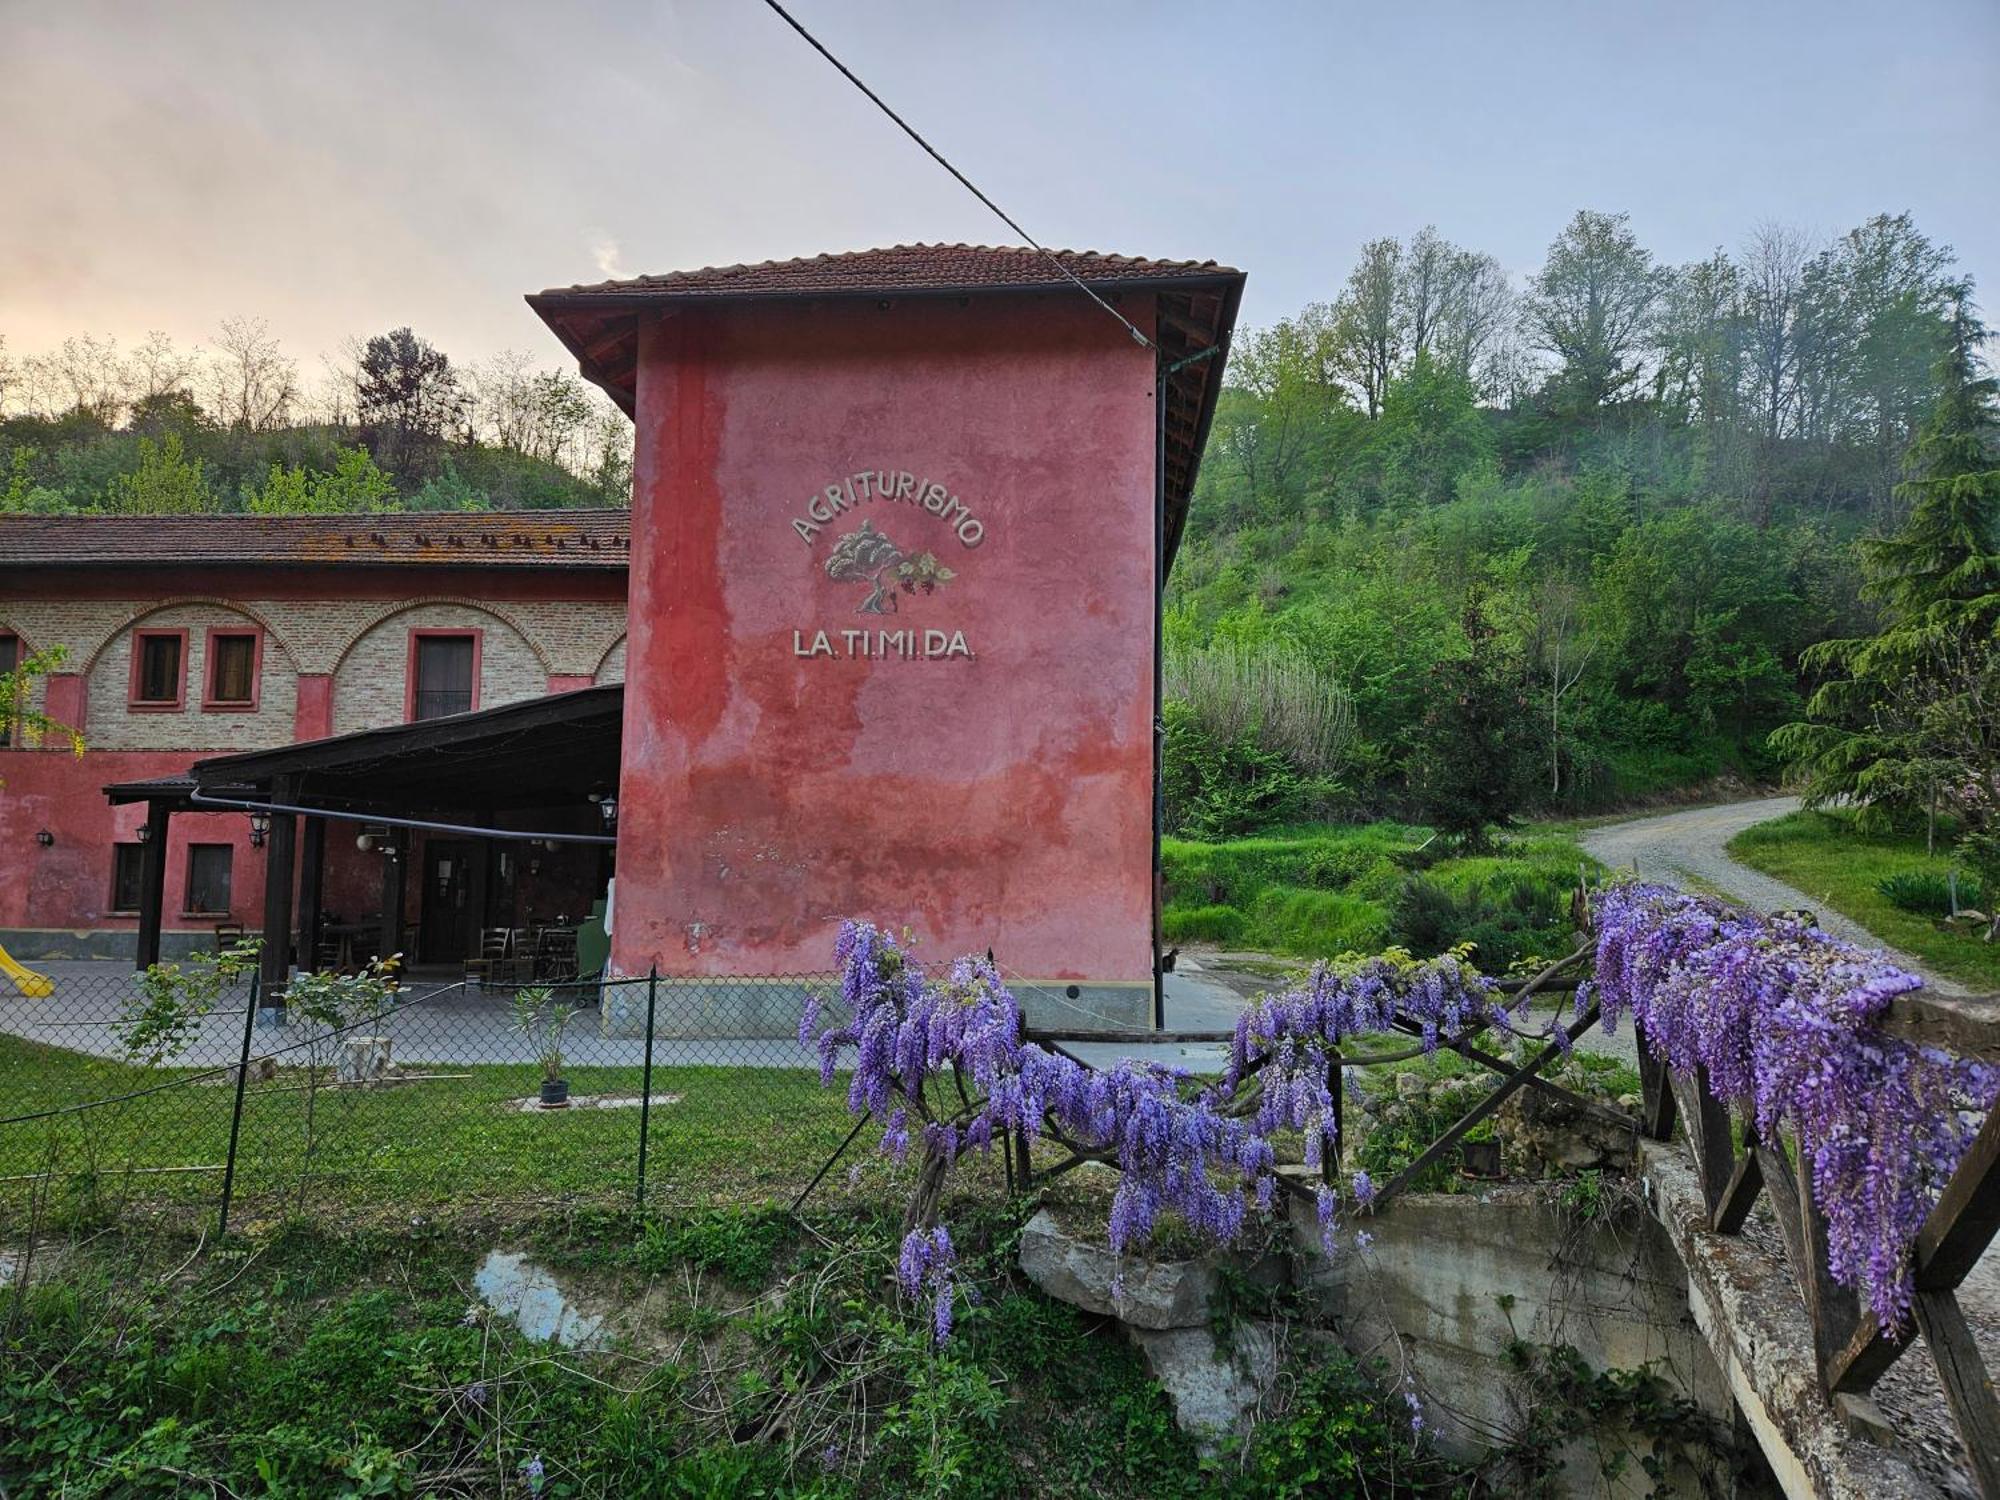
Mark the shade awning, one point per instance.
(541, 753)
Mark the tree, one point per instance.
(156, 370)
(1367, 327)
(21, 722)
(1773, 270)
(1701, 341)
(355, 484)
(406, 395)
(251, 386)
(1474, 751)
(1451, 303)
(1592, 306)
(1873, 719)
(1430, 432)
(166, 482)
(1559, 654)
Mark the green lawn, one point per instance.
(1823, 855)
(717, 1134)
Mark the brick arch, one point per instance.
(403, 606)
(8, 627)
(158, 606)
(597, 672)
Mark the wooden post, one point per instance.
(396, 855)
(152, 884)
(312, 879)
(274, 966)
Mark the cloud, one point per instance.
(604, 250)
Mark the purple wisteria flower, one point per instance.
(1782, 1018)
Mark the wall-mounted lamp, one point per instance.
(45, 838)
(260, 824)
(145, 834)
(609, 808)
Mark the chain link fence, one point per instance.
(464, 1095)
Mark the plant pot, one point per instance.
(555, 1093)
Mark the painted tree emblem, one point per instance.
(868, 556)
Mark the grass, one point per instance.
(727, 1134)
(1837, 866)
(1324, 890)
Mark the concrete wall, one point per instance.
(993, 791)
(1455, 1278)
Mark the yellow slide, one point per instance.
(32, 985)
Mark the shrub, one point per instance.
(1223, 788)
(1928, 893)
(1201, 924)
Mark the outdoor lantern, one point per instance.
(145, 834)
(609, 807)
(45, 838)
(260, 824)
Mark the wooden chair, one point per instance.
(227, 934)
(495, 945)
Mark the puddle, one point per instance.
(517, 1288)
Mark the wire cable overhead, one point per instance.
(964, 181)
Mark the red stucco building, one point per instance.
(900, 523)
(187, 637)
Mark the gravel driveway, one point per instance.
(1687, 847)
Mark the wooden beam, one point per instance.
(1966, 1216)
(1968, 1390)
(152, 884)
(1509, 1086)
(395, 865)
(274, 963)
(1835, 1310)
(312, 885)
(1967, 1027)
(1960, 1227)
(1740, 1195)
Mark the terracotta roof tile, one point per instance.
(904, 268)
(472, 539)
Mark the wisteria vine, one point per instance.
(1206, 1153)
(1785, 1018)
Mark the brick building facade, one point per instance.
(185, 636)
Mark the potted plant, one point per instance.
(542, 1020)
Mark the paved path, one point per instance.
(1688, 847)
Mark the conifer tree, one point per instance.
(1870, 729)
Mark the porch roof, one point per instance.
(540, 753)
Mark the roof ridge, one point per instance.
(900, 263)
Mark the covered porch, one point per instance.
(472, 843)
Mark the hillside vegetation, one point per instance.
(1559, 546)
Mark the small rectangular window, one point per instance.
(125, 866)
(156, 668)
(208, 879)
(10, 658)
(443, 666)
(232, 669)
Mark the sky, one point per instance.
(342, 169)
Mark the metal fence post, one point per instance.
(236, 1111)
(646, 1085)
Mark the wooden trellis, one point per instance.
(1850, 1349)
